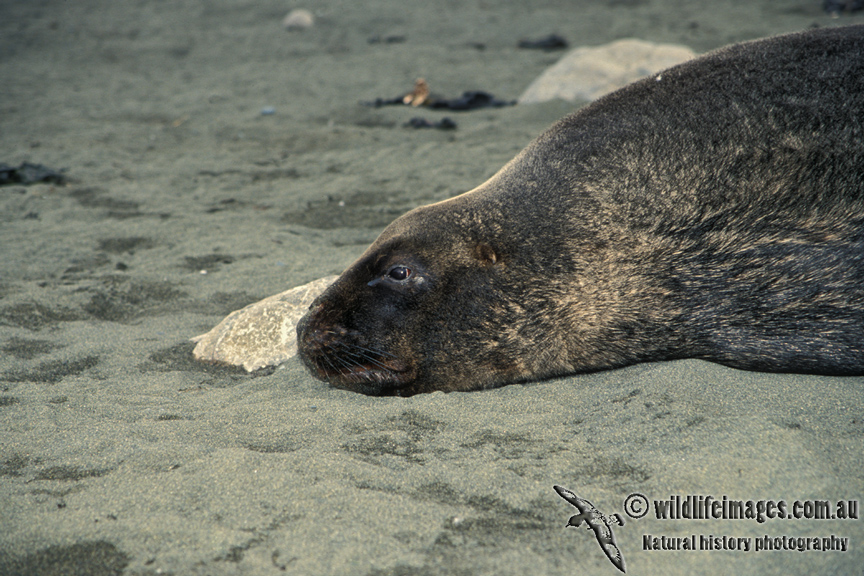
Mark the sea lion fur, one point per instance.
(714, 210)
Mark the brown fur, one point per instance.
(713, 211)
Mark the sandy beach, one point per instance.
(213, 158)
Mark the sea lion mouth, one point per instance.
(348, 365)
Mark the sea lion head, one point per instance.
(392, 321)
(437, 302)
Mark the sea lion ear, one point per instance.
(486, 254)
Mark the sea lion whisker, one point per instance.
(347, 365)
(349, 371)
(327, 358)
(359, 371)
(376, 364)
(373, 351)
(349, 348)
(363, 356)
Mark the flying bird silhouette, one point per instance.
(598, 522)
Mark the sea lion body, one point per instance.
(714, 211)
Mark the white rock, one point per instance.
(587, 73)
(298, 20)
(261, 334)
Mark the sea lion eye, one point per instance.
(399, 273)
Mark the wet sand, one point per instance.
(119, 454)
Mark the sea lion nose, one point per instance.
(319, 345)
(315, 333)
(324, 336)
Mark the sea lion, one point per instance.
(714, 210)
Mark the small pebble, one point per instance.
(298, 20)
(551, 42)
(386, 39)
(443, 124)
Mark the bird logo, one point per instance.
(600, 523)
